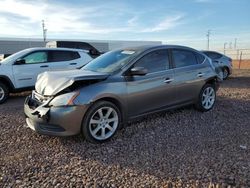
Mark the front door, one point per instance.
(154, 90)
(26, 74)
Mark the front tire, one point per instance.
(101, 122)
(4, 92)
(207, 98)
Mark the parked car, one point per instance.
(3, 56)
(222, 62)
(117, 87)
(91, 50)
(19, 71)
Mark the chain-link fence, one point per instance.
(236, 54)
(241, 57)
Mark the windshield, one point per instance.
(111, 61)
(14, 56)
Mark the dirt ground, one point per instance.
(179, 148)
(243, 64)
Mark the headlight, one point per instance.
(65, 99)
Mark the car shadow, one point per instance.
(236, 82)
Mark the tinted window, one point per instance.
(213, 55)
(36, 57)
(154, 61)
(183, 58)
(200, 58)
(56, 56)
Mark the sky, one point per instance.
(183, 22)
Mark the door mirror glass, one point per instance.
(20, 62)
(138, 71)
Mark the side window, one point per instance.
(57, 56)
(216, 55)
(183, 58)
(213, 55)
(154, 61)
(200, 58)
(36, 57)
(75, 55)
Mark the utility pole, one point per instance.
(44, 32)
(230, 45)
(235, 43)
(225, 44)
(208, 38)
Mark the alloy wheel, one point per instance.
(103, 123)
(208, 98)
(225, 73)
(2, 93)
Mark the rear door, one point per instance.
(155, 90)
(35, 63)
(189, 72)
(62, 59)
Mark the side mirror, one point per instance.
(20, 62)
(138, 71)
(93, 52)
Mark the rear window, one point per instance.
(183, 58)
(57, 56)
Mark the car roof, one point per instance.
(151, 47)
(52, 49)
(204, 51)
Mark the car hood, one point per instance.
(50, 83)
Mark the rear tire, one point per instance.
(4, 92)
(207, 98)
(225, 73)
(101, 122)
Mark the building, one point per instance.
(13, 45)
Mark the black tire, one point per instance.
(4, 92)
(225, 73)
(88, 116)
(199, 105)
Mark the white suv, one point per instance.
(19, 71)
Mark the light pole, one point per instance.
(235, 43)
(208, 38)
(225, 44)
(44, 32)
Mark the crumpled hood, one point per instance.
(50, 83)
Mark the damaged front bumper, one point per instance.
(56, 121)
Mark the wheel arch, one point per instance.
(115, 102)
(5, 80)
(213, 81)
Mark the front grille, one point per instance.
(51, 128)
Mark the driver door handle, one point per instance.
(44, 66)
(168, 80)
(200, 74)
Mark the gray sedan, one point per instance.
(222, 62)
(118, 87)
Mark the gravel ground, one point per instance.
(180, 148)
